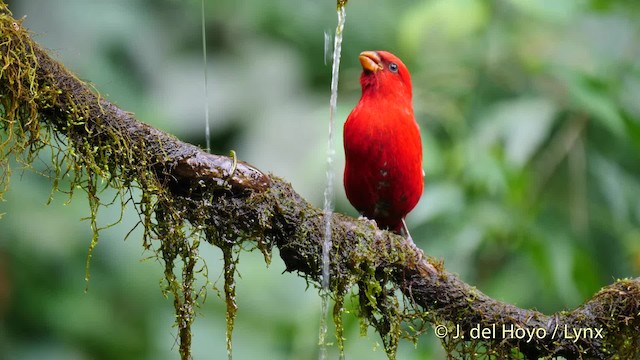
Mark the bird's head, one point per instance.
(383, 71)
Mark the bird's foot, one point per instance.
(404, 231)
(371, 221)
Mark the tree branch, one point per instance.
(243, 202)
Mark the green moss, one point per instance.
(21, 135)
(91, 156)
(341, 3)
(230, 291)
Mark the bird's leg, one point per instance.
(405, 233)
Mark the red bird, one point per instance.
(383, 176)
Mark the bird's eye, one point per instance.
(393, 67)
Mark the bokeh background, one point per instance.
(530, 114)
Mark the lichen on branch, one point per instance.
(188, 195)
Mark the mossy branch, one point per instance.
(231, 202)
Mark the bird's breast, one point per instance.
(383, 151)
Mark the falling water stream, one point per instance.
(328, 193)
(207, 131)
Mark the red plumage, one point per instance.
(383, 176)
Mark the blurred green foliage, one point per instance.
(530, 112)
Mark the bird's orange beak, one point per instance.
(370, 61)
